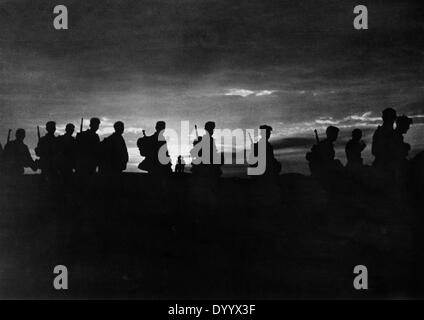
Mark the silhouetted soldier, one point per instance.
(16, 155)
(206, 159)
(88, 148)
(66, 151)
(273, 167)
(155, 151)
(179, 167)
(403, 123)
(1, 159)
(401, 164)
(2, 151)
(384, 141)
(47, 151)
(354, 148)
(321, 159)
(114, 151)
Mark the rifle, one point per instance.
(8, 135)
(316, 135)
(197, 133)
(81, 124)
(250, 137)
(198, 139)
(38, 133)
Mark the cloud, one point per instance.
(245, 93)
(364, 117)
(328, 121)
(293, 142)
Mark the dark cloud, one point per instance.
(293, 142)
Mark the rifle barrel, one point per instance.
(316, 135)
(8, 135)
(197, 133)
(250, 137)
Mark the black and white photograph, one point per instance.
(202, 150)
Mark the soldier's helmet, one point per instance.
(356, 134)
(267, 129)
(160, 125)
(389, 115)
(94, 124)
(51, 126)
(332, 132)
(70, 128)
(403, 123)
(210, 127)
(20, 134)
(119, 127)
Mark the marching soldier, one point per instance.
(401, 150)
(206, 159)
(384, 141)
(321, 159)
(16, 155)
(67, 150)
(179, 167)
(88, 147)
(2, 152)
(1, 159)
(114, 151)
(354, 148)
(155, 151)
(273, 167)
(403, 123)
(47, 151)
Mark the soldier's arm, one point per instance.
(126, 153)
(29, 162)
(98, 147)
(375, 144)
(38, 149)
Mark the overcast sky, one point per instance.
(296, 65)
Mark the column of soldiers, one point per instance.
(61, 156)
(388, 148)
(16, 156)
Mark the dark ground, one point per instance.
(131, 237)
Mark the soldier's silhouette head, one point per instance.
(403, 124)
(267, 129)
(69, 129)
(160, 125)
(389, 116)
(20, 134)
(332, 133)
(51, 127)
(119, 127)
(356, 134)
(94, 124)
(210, 127)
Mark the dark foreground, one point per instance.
(131, 237)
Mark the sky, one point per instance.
(295, 65)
